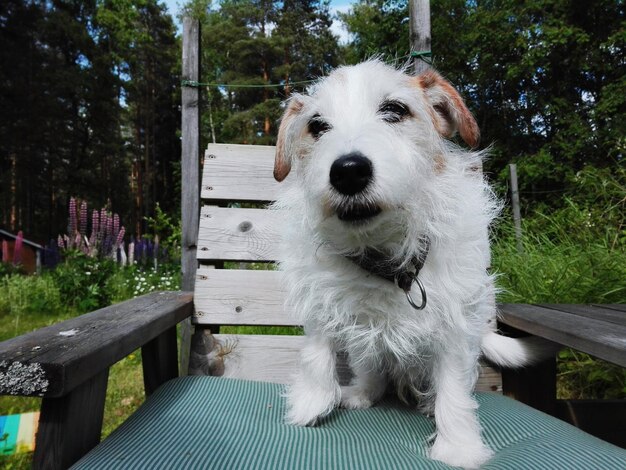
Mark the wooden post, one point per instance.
(159, 361)
(419, 31)
(517, 217)
(66, 432)
(190, 198)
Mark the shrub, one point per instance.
(83, 280)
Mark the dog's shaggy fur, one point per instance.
(422, 187)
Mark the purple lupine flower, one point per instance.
(17, 248)
(103, 223)
(120, 237)
(116, 225)
(95, 219)
(5, 251)
(60, 243)
(73, 226)
(83, 218)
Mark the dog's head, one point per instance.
(367, 142)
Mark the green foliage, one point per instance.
(83, 281)
(21, 296)
(168, 230)
(132, 281)
(7, 269)
(580, 376)
(258, 42)
(380, 28)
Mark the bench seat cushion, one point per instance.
(220, 423)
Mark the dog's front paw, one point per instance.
(354, 398)
(306, 405)
(465, 455)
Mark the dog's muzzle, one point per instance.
(350, 175)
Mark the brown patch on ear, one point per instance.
(282, 164)
(451, 113)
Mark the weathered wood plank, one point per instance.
(591, 311)
(239, 173)
(618, 307)
(240, 297)
(70, 426)
(54, 360)
(266, 358)
(238, 234)
(190, 168)
(275, 359)
(598, 338)
(159, 360)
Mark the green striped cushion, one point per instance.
(219, 423)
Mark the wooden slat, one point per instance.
(591, 311)
(274, 359)
(489, 379)
(238, 234)
(598, 338)
(239, 172)
(240, 297)
(266, 358)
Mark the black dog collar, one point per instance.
(382, 265)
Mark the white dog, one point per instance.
(376, 192)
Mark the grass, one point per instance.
(563, 264)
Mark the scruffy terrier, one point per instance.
(386, 250)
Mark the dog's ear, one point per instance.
(451, 114)
(282, 163)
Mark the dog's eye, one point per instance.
(394, 111)
(317, 126)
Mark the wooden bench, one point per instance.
(68, 363)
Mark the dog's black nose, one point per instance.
(351, 173)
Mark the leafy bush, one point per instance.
(84, 281)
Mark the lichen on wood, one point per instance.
(22, 379)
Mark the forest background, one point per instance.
(91, 90)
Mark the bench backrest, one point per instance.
(227, 291)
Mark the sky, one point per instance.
(335, 6)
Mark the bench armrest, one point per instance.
(52, 361)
